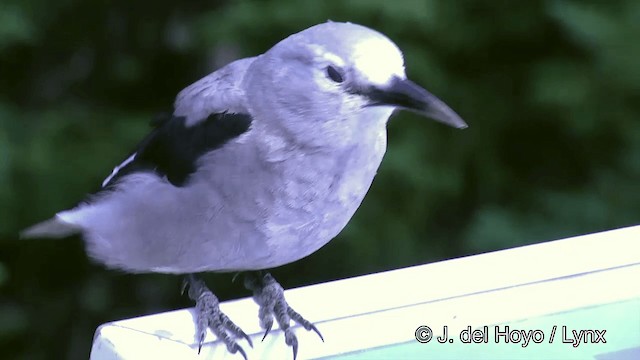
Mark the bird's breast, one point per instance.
(315, 195)
(277, 202)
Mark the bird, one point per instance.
(260, 164)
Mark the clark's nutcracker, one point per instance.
(261, 163)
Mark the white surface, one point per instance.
(477, 290)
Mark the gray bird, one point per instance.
(262, 162)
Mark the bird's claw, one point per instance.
(294, 347)
(208, 315)
(237, 348)
(315, 329)
(246, 337)
(242, 352)
(267, 330)
(269, 295)
(295, 316)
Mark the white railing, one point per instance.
(540, 292)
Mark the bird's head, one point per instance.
(334, 74)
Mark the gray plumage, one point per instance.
(280, 190)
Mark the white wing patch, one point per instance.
(117, 168)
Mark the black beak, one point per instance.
(406, 94)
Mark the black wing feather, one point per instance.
(173, 148)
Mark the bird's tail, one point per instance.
(52, 228)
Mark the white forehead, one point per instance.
(378, 60)
(373, 56)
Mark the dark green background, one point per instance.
(551, 90)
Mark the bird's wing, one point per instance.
(220, 91)
(172, 148)
(207, 114)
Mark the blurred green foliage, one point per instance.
(551, 90)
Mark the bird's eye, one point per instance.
(334, 74)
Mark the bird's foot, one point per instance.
(269, 295)
(208, 315)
